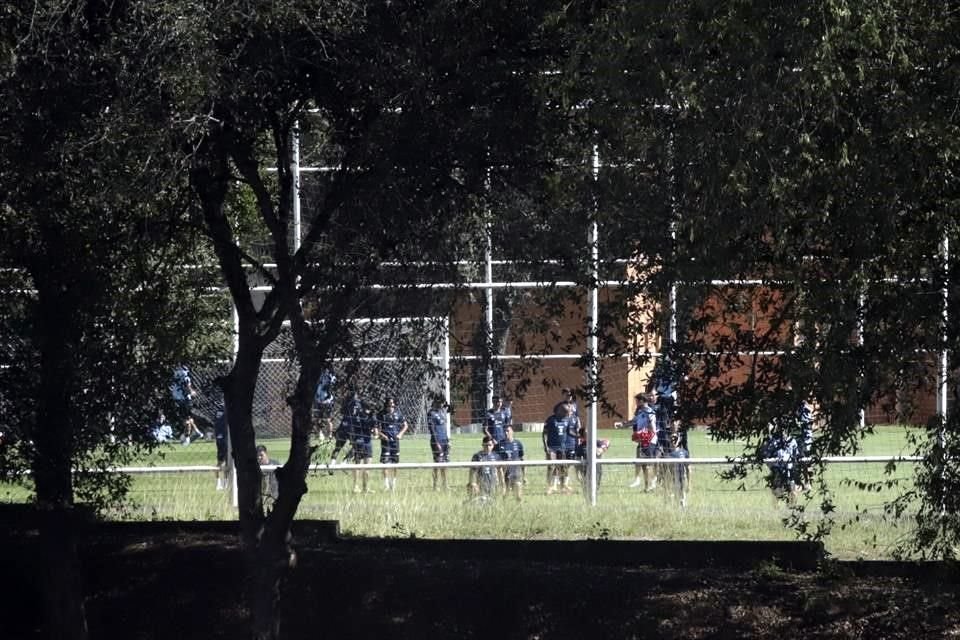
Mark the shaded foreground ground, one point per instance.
(183, 586)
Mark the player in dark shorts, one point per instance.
(554, 437)
(391, 425)
(482, 483)
(350, 415)
(496, 421)
(439, 440)
(512, 449)
(362, 441)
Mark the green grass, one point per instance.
(716, 510)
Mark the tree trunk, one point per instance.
(275, 555)
(238, 393)
(62, 575)
(53, 474)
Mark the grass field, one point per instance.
(716, 510)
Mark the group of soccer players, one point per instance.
(360, 426)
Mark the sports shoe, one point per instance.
(683, 502)
(357, 490)
(185, 441)
(636, 483)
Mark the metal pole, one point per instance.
(488, 276)
(231, 467)
(944, 368)
(446, 368)
(861, 305)
(295, 171)
(592, 347)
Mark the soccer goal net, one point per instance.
(403, 358)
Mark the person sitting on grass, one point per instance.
(482, 482)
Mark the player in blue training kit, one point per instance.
(555, 440)
(804, 442)
(496, 421)
(323, 403)
(644, 426)
(350, 415)
(362, 441)
(181, 388)
(512, 449)
(482, 482)
(437, 425)
(391, 425)
(782, 451)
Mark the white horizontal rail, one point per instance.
(528, 463)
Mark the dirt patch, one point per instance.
(185, 586)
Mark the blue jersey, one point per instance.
(324, 393)
(390, 424)
(555, 430)
(511, 450)
(181, 385)
(497, 420)
(437, 425)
